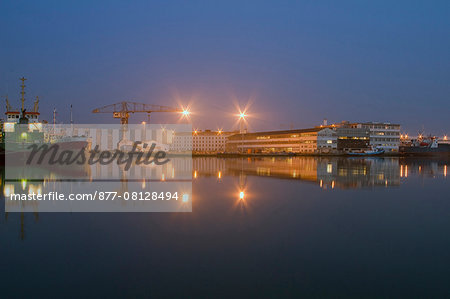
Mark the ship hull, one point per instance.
(72, 145)
(441, 150)
(18, 154)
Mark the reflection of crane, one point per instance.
(122, 110)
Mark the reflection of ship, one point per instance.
(425, 146)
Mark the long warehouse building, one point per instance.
(311, 141)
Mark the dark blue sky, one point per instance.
(298, 61)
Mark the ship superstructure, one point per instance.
(22, 116)
(23, 127)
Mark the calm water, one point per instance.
(281, 227)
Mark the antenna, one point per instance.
(54, 120)
(36, 105)
(71, 121)
(8, 106)
(23, 91)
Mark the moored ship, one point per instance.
(22, 128)
(425, 146)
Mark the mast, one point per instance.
(71, 121)
(54, 120)
(36, 105)
(8, 106)
(23, 91)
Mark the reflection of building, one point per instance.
(207, 166)
(371, 172)
(304, 168)
(337, 172)
(315, 140)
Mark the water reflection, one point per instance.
(329, 172)
(333, 172)
(174, 176)
(343, 173)
(252, 218)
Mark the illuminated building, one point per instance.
(309, 141)
(202, 142)
(210, 141)
(349, 139)
(382, 135)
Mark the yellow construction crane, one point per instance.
(122, 110)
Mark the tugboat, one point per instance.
(370, 152)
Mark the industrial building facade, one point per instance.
(336, 138)
(201, 142)
(209, 141)
(309, 141)
(108, 137)
(382, 135)
(350, 139)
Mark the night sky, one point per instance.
(295, 62)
